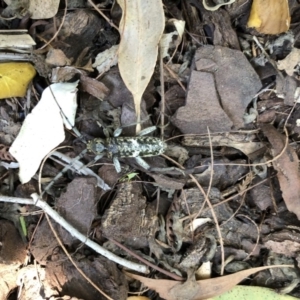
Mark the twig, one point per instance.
(257, 238)
(162, 95)
(103, 15)
(172, 275)
(59, 28)
(267, 56)
(73, 261)
(74, 232)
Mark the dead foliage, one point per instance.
(206, 200)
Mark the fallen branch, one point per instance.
(74, 232)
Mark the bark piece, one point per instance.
(127, 220)
(78, 206)
(287, 168)
(219, 91)
(236, 81)
(202, 107)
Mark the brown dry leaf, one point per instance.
(198, 290)
(270, 16)
(290, 62)
(4, 154)
(141, 28)
(94, 87)
(287, 168)
(244, 142)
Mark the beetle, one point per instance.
(117, 147)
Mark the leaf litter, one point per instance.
(224, 194)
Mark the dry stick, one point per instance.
(210, 206)
(73, 262)
(271, 61)
(237, 210)
(209, 203)
(74, 232)
(42, 166)
(162, 94)
(59, 28)
(256, 164)
(171, 72)
(103, 15)
(258, 235)
(146, 262)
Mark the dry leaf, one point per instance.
(287, 168)
(19, 41)
(167, 38)
(270, 16)
(141, 27)
(38, 9)
(43, 128)
(254, 292)
(290, 62)
(43, 9)
(4, 154)
(198, 290)
(94, 87)
(106, 59)
(138, 298)
(216, 7)
(14, 79)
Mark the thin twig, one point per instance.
(74, 232)
(103, 15)
(209, 205)
(146, 262)
(73, 261)
(59, 28)
(257, 238)
(162, 95)
(271, 61)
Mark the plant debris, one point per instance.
(159, 138)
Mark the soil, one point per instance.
(220, 201)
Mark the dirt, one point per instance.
(224, 195)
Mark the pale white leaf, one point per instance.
(199, 222)
(180, 25)
(43, 128)
(19, 41)
(204, 271)
(141, 28)
(106, 59)
(165, 42)
(290, 62)
(38, 9)
(43, 9)
(168, 42)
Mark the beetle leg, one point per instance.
(117, 164)
(117, 132)
(166, 170)
(147, 130)
(142, 163)
(94, 160)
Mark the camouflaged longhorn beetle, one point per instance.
(117, 147)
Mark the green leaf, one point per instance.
(23, 225)
(252, 292)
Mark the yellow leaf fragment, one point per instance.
(141, 27)
(14, 78)
(270, 16)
